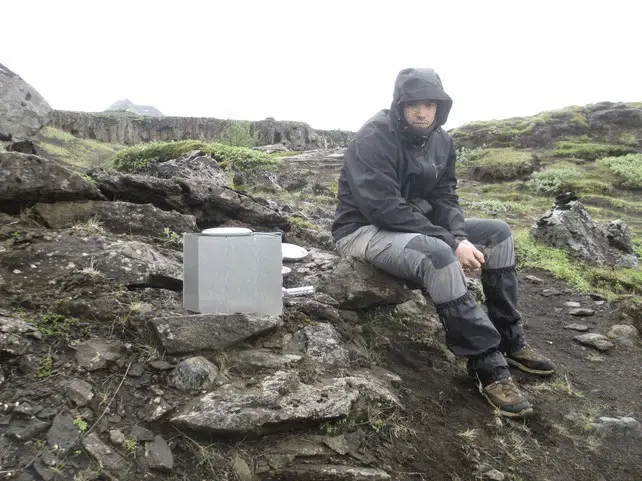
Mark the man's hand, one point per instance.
(469, 256)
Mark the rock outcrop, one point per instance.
(193, 184)
(131, 129)
(571, 228)
(28, 179)
(23, 111)
(604, 121)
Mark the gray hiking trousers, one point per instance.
(430, 262)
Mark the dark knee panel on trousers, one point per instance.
(487, 232)
(440, 257)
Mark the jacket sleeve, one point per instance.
(374, 185)
(445, 202)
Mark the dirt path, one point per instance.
(456, 432)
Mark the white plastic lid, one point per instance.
(227, 231)
(292, 252)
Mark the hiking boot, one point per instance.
(504, 396)
(529, 360)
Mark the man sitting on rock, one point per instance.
(399, 211)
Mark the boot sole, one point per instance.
(524, 413)
(522, 367)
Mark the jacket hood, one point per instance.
(419, 84)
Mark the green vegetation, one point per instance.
(500, 164)
(80, 424)
(78, 154)
(554, 178)
(581, 275)
(587, 150)
(50, 323)
(628, 138)
(137, 157)
(504, 132)
(237, 134)
(627, 169)
(45, 367)
(172, 237)
(306, 224)
(491, 207)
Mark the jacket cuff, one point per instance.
(458, 240)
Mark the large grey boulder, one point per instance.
(117, 217)
(280, 401)
(207, 332)
(356, 285)
(193, 184)
(97, 257)
(23, 111)
(571, 228)
(325, 472)
(27, 179)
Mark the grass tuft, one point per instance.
(581, 275)
(137, 157)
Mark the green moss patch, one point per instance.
(501, 164)
(581, 275)
(137, 157)
(588, 150)
(78, 154)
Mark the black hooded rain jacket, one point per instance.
(398, 181)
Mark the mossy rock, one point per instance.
(137, 157)
(496, 165)
(588, 150)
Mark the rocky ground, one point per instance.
(106, 376)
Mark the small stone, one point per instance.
(105, 455)
(241, 469)
(158, 455)
(47, 414)
(28, 432)
(194, 373)
(140, 433)
(96, 354)
(44, 471)
(115, 419)
(600, 303)
(551, 292)
(597, 297)
(624, 334)
(494, 475)
(581, 312)
(25, 408)
(624, 426)
(80, 392)
(117, 437)
(597, 341)
(572, 304)
(161, 365)
(63, 433)
(155, 409)
(577, 327)
(337, 444)
(136, 370)
(534, 280)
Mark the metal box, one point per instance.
(228, 274)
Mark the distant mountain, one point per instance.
(129, 106)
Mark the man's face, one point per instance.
(420, 113)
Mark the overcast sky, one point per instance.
(330, 63)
